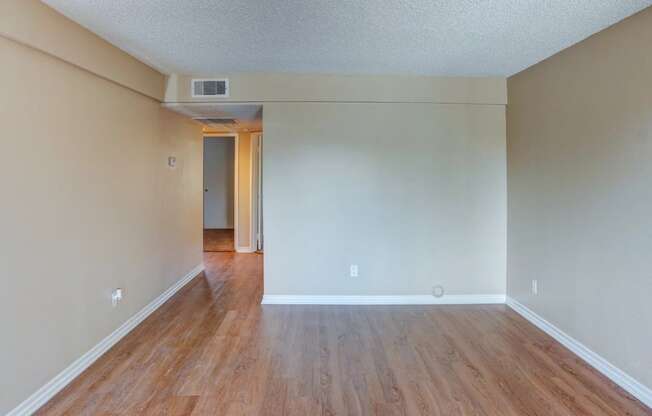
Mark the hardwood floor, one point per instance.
(216, 240)
(213, 350)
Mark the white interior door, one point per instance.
(218, 182)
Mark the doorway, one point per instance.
(219, 193)
(240, 209)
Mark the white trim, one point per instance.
(253, 190)
(257, 222)
(624, 380)
(45, 393)
(245, 249)
(382, 300)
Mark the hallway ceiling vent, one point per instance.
(210, 88)
(212, 121)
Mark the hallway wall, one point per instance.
(244, 191)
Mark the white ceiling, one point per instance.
(430, 37)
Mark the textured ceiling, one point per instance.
(429, 37)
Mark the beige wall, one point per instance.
(404, 176)
(341, 90)
(244, 190)
(88, 205)
(33, 23)
(413, 193)
(580, 192)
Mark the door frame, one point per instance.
(256, 204)
(236, 181)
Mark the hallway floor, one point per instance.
(214, 350)
(219, 240)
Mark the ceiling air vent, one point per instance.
(212, 121)
(210, 87)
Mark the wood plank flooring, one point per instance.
(214, 350)
(217, 240)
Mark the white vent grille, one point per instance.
(210, 87)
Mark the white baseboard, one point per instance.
(624, 380)
(45, 393)
(245, 249)
(382, 300)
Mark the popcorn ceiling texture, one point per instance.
(427, 37)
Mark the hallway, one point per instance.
(219, 240)
(214, 350)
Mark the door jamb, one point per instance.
(255, 205)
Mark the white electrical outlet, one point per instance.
(354, 270)
(116, 297)
(535, 287)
